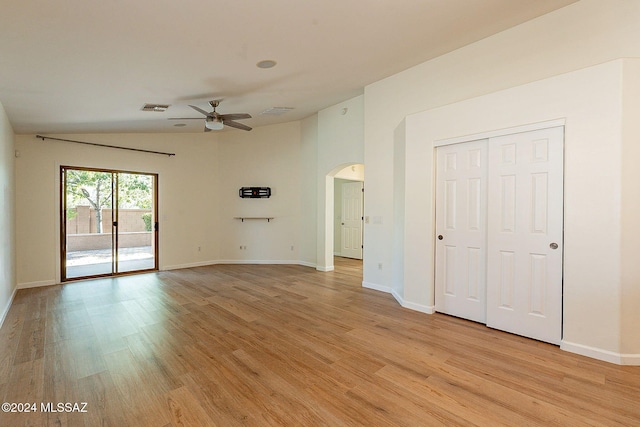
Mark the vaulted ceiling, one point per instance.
(79, 66)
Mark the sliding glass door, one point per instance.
(109, 222)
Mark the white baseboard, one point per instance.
(258, 261)
(8, 307)
(406, 304)
(377, 287)
(36, 284)
(325, 269)
(237, 261)
(307, 264)
(188, 265)
(600, 354)
(427, 309)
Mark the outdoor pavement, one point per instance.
(98, 261)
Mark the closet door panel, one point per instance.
(524, 234)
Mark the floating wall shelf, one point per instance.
(242, 218)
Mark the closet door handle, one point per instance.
(440, 237)
(553, 246)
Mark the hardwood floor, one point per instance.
(281, 345)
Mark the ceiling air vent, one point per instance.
(276, 111)
(158, 108)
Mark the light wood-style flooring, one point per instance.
(274, 345)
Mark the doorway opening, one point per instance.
(344, 222)
(108, 222)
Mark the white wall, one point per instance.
(309, 184)
(7, 216)
(340, 144)
(268, 156)
(586, 33)
(630, 210)
(581, 35)
(589, 102)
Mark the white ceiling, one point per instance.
(74, 66)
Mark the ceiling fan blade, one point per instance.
(200, 110)
(184, 118)
(236, 116)
(236, 125)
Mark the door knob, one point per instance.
(554, 245)
(440, 237)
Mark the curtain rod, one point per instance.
(105, 145)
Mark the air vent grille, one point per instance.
(276, 111)
(158, 108)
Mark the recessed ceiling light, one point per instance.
(180, 125)
(267, 63)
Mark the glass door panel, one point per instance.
(136, 220)
(88, 223)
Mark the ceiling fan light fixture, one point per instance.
(214, 123)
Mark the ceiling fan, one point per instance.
(215, 120)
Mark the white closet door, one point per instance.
(524, 244)
(461, 229)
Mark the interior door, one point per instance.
(524, 255)
(352, 199)
(461, 230)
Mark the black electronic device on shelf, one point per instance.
(255, 192)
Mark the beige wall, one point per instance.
(268, 156)
(188, 179)
(7, 216)
(584, 34)
(198, 195)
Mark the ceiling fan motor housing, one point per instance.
(214, 123)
